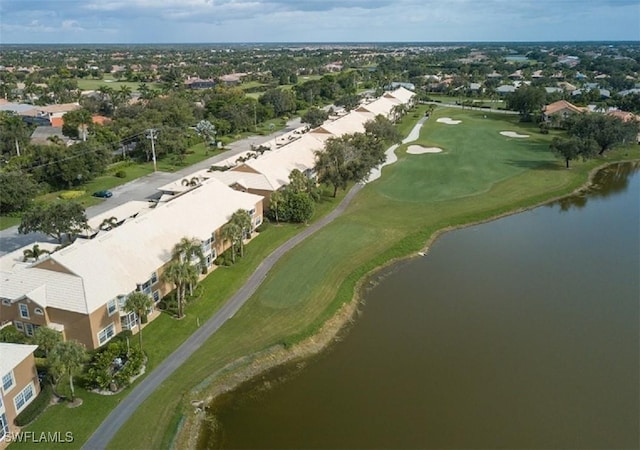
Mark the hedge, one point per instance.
(33, 410)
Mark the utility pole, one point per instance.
(152, 134)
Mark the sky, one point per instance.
(222, 21)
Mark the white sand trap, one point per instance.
(419, 150)
(448, 121)
(513, 134)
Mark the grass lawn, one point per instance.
(87, 84)
(482, 175)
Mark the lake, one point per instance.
(518, 333)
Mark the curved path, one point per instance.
(391, 151)
(121, 413)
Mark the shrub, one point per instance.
(103, 373)
(33, 410)
(69, 195)
(121, 174)
(264, 225)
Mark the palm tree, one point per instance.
(125, 93)
(189, 249)
(138, 303)
(15, 129)
(34, 253)
(109, 223)
(67, 358)
(176, 273)
(275, 201)
(194, 181)
(232, 232)
(242, 218)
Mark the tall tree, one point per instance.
(13, 132)
(67, 358)
(572, 148)
(179, 275)
(76, 124)
(527, 100)
(138, 303)
(314, 117)
(55, 219)
(242, 219)
(233, 233)
(47, 339)
(17, 191)
(606, 131)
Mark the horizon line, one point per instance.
(449, 42)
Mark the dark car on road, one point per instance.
(103, 194)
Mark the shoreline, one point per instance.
(231, 377)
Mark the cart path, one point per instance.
(121, 413)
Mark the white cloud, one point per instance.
(318, 20)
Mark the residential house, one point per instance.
(20, 385)
(560, 109)
(199, 83)
(81, 289)
(505, 89)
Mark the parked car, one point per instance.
(103, 194)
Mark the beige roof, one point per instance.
(114, 263)
(13, 261)
(46, 287)
(13, 354)
(276, 165)
(121, 212)
(349, 124)
(560, 105)
(383, 106)
(63, 107)
(402, 94)
(245, 179)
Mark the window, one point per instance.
(106, 333)
(258, 220)
(112, 307)
(39, 311)
(154, 277)
(24, 311)
(252, 212)
(28, 329)
(24, 397)
(156, 296)
(4, 426)
(6, 302)
(7, 381)
(18, 325)
(129, 321)
(145, 288)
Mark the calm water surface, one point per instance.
(519, 333)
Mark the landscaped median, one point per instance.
(480, 175)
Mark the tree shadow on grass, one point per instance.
(535, 165)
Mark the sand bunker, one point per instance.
(448, 121)
(419, 149)
(513, 134)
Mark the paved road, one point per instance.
(143, 188)
(114, 421)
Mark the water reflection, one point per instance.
(609, 181)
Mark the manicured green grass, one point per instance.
(8, 221)
(384, 222)
(87, 84)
